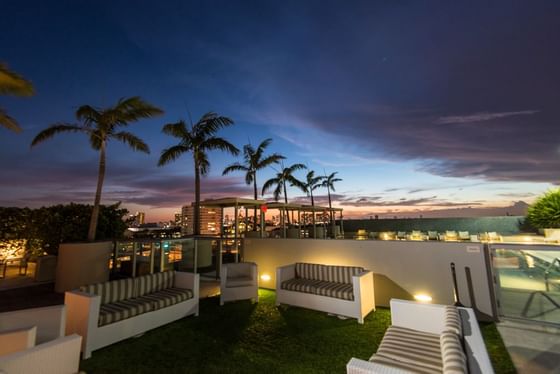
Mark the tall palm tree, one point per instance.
(312, 182)
(253, 161)
(102, 125)
(283, 177)
(328, 182)
(15, 85)
(198, 139)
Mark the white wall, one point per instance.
(80, 264)
(401, 268)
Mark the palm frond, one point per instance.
(177, 130)
(296, 183)
(295, 167)
(14, 84)
(133, 109)
(219, 143)
(171, 154)
(274, 158)
(88, 115)
(203, 163)
(269, 183)
(56, 129)
(132, 140)
(8, 122)
(260, 149)
(210, 123)
(235, 167)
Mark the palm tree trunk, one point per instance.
(286, 201)
(196, 223)
(330, 206)
(256, 197)
(95, 212)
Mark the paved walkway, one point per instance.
(534, 349)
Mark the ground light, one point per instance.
(265, 277)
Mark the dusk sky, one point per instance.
(419, 105)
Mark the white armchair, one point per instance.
(239, 281)
(37, 343)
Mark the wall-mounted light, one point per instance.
(265, 277)
(423, 298)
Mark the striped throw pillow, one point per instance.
(453, 320)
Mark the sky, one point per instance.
(432, 108)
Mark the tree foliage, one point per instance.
(13, 84)
(47, 227)
(545, 211)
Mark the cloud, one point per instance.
(481, 117)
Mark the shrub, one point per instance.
(545, 212)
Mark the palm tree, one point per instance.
(254, 161)
(284, 176)
(12, 84)
(328, 182)
(102, 125)
(198, 139)
(312, 182)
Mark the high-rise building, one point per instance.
(137, 219)
(210, 220)
(178, 219)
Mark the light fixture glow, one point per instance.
(265, 277)
(423, 298)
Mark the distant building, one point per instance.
(210, 220)
(137, 219)
(178, 219)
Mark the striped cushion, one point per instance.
(453, 357)
(300, 285)
(412, 347)
(112, 291)
(163, 280)
(167, 297)
(144, 285)
(338, 290)
(405, 366)
(342, 274)
(453, 320)
(310, 271)
(114, 312)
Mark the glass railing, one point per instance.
(136, 257)
(527, 281)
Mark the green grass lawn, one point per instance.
(241, 337)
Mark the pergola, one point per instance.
(299, 208)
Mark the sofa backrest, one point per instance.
(111, 291)
(240, 269)
(122, 289)
(149, 283)
(329, 273)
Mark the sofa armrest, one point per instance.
(283, 273)
(50, 321)
(61, 356)
(475, 349)
(82, 313)
(364, 291)
(357, 366)
(190, 281)
(17, 340)
(418, 316)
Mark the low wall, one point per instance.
(401, 269)
(506, 225)
(82, 263)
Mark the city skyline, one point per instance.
(422, 109)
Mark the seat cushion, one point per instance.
(412, 347)
(114, 312)
(337, 290)
(311, 271)
(240, 282)
(453, 357)
(407, 367)
(167, 297)
(150, 283)
(341, 274)
(301, 285)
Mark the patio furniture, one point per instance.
(361, 234)
(239, 281)
(449, 236)
(428, 338)
(433, 235)
(416, 235)
(32, 341)
(19, 261)
(464, 236)
(105, 313)
(401, 235)
(342, 290)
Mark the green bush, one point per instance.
(47, 227)
(545, 212)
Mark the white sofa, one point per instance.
(32, 341)
(239, 281)
(428, 338)
(106, 313)
(343, 290)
